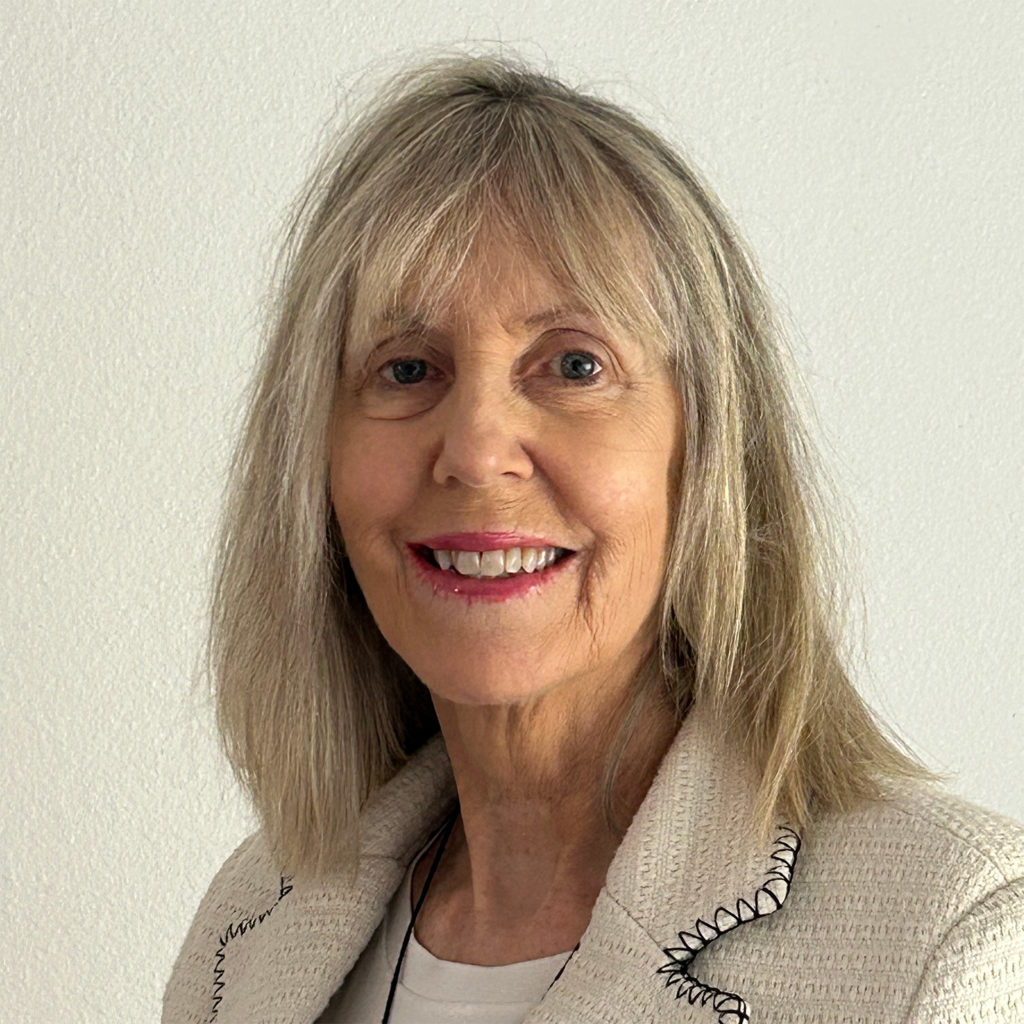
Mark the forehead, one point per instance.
(499, 278)
(495, 282)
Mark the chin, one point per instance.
(482, 692)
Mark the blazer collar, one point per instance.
(303, 950)
(688, 870)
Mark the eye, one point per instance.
(404, 371)
(579, 367)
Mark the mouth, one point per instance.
(495, 564)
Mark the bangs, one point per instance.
(532, 181)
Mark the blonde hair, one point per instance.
(315, 709)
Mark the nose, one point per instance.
(484, 425)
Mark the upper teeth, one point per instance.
(496, 563)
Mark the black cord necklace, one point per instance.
(449, 825)
(446, 832)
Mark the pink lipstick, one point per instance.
(447, 583)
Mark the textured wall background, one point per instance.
(871, 150)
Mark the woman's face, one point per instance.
(509, 425)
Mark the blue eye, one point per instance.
(406, 371)
(580, 367)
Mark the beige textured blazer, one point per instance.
(909, 911)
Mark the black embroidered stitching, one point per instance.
(234, 931)
(731, 1008)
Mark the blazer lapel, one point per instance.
(689, 870)
(301, 952)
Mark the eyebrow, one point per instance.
(407, 319)
(394, 316)
(555, 313)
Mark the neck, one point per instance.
(529, 854)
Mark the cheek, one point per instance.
(368, 477)
(623, 477)
(634, 517)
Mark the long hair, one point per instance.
(315, 709)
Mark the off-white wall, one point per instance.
(870, 150)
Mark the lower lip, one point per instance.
(446, 582)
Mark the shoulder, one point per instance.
(257, 925)
(965, 828)
(249, 878)
(923, 886)
(244, 891)
(923, 833)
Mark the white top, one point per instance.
(433, 991)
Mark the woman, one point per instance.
(525, 640)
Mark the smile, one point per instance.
(494, 575)
(496, 564)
